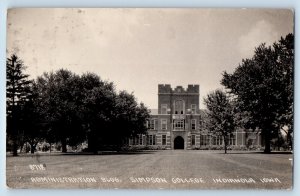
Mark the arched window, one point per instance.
(179, 107)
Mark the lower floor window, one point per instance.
(218, 140)
(164, 140)
(204, 140)
(151, 140)
(193, 140)
(138, 140)
(232, 140)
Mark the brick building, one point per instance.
(177, 123)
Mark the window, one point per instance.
(163, 108)
(193, 108)
(164, 140)
(193, 124)
(140, 139)
(135, 140)
(178, 124)
(179, 107)
(204, 140)
(218, 140)
(152, 124)
(232, 140)
(193, 140)
(144, 139)
(163, 124)
(151, 140)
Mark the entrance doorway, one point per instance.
(178, 143)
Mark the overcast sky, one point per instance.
(138, 49)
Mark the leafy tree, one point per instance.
(79, 108)
(97, 109)
(59, 93)
(284, 49)
(130, 117)
(263, 86)
(17, 91)
(31, 119)
(220, 115)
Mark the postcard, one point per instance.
(150, 98)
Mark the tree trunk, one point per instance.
(290, 140)
(63, 145)
(15, 146)
(267, 142)
(32, 148)
(92, 144)
(14, 137)
(225, 144)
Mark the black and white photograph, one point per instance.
(150, 98)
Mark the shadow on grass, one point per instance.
(256, 152)
(111, 153)
(100, 153)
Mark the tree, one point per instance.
(284, 50)
(97, 109)
(31, 120)
(220, 115)
(263, 86)
(130, 117)
(59, 93)
(79, 108)
(17, 91)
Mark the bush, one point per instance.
(139, 148)
(204, 147)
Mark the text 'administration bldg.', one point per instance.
(177, 123)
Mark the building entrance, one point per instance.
(178, 143)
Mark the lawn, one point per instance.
(168, 169)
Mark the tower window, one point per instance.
(163, 108)
(179, 107)
(178, 124)
(193, 124)
(193, 108)
(163, 124)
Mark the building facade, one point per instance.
(177, 123)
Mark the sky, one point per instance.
(139, 48)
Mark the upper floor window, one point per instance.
(178, 124)
(152, 124)
(163, 124)
(193, 124)
(179, 107)
(193, 108)
(163, 108)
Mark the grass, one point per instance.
(167, 164)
